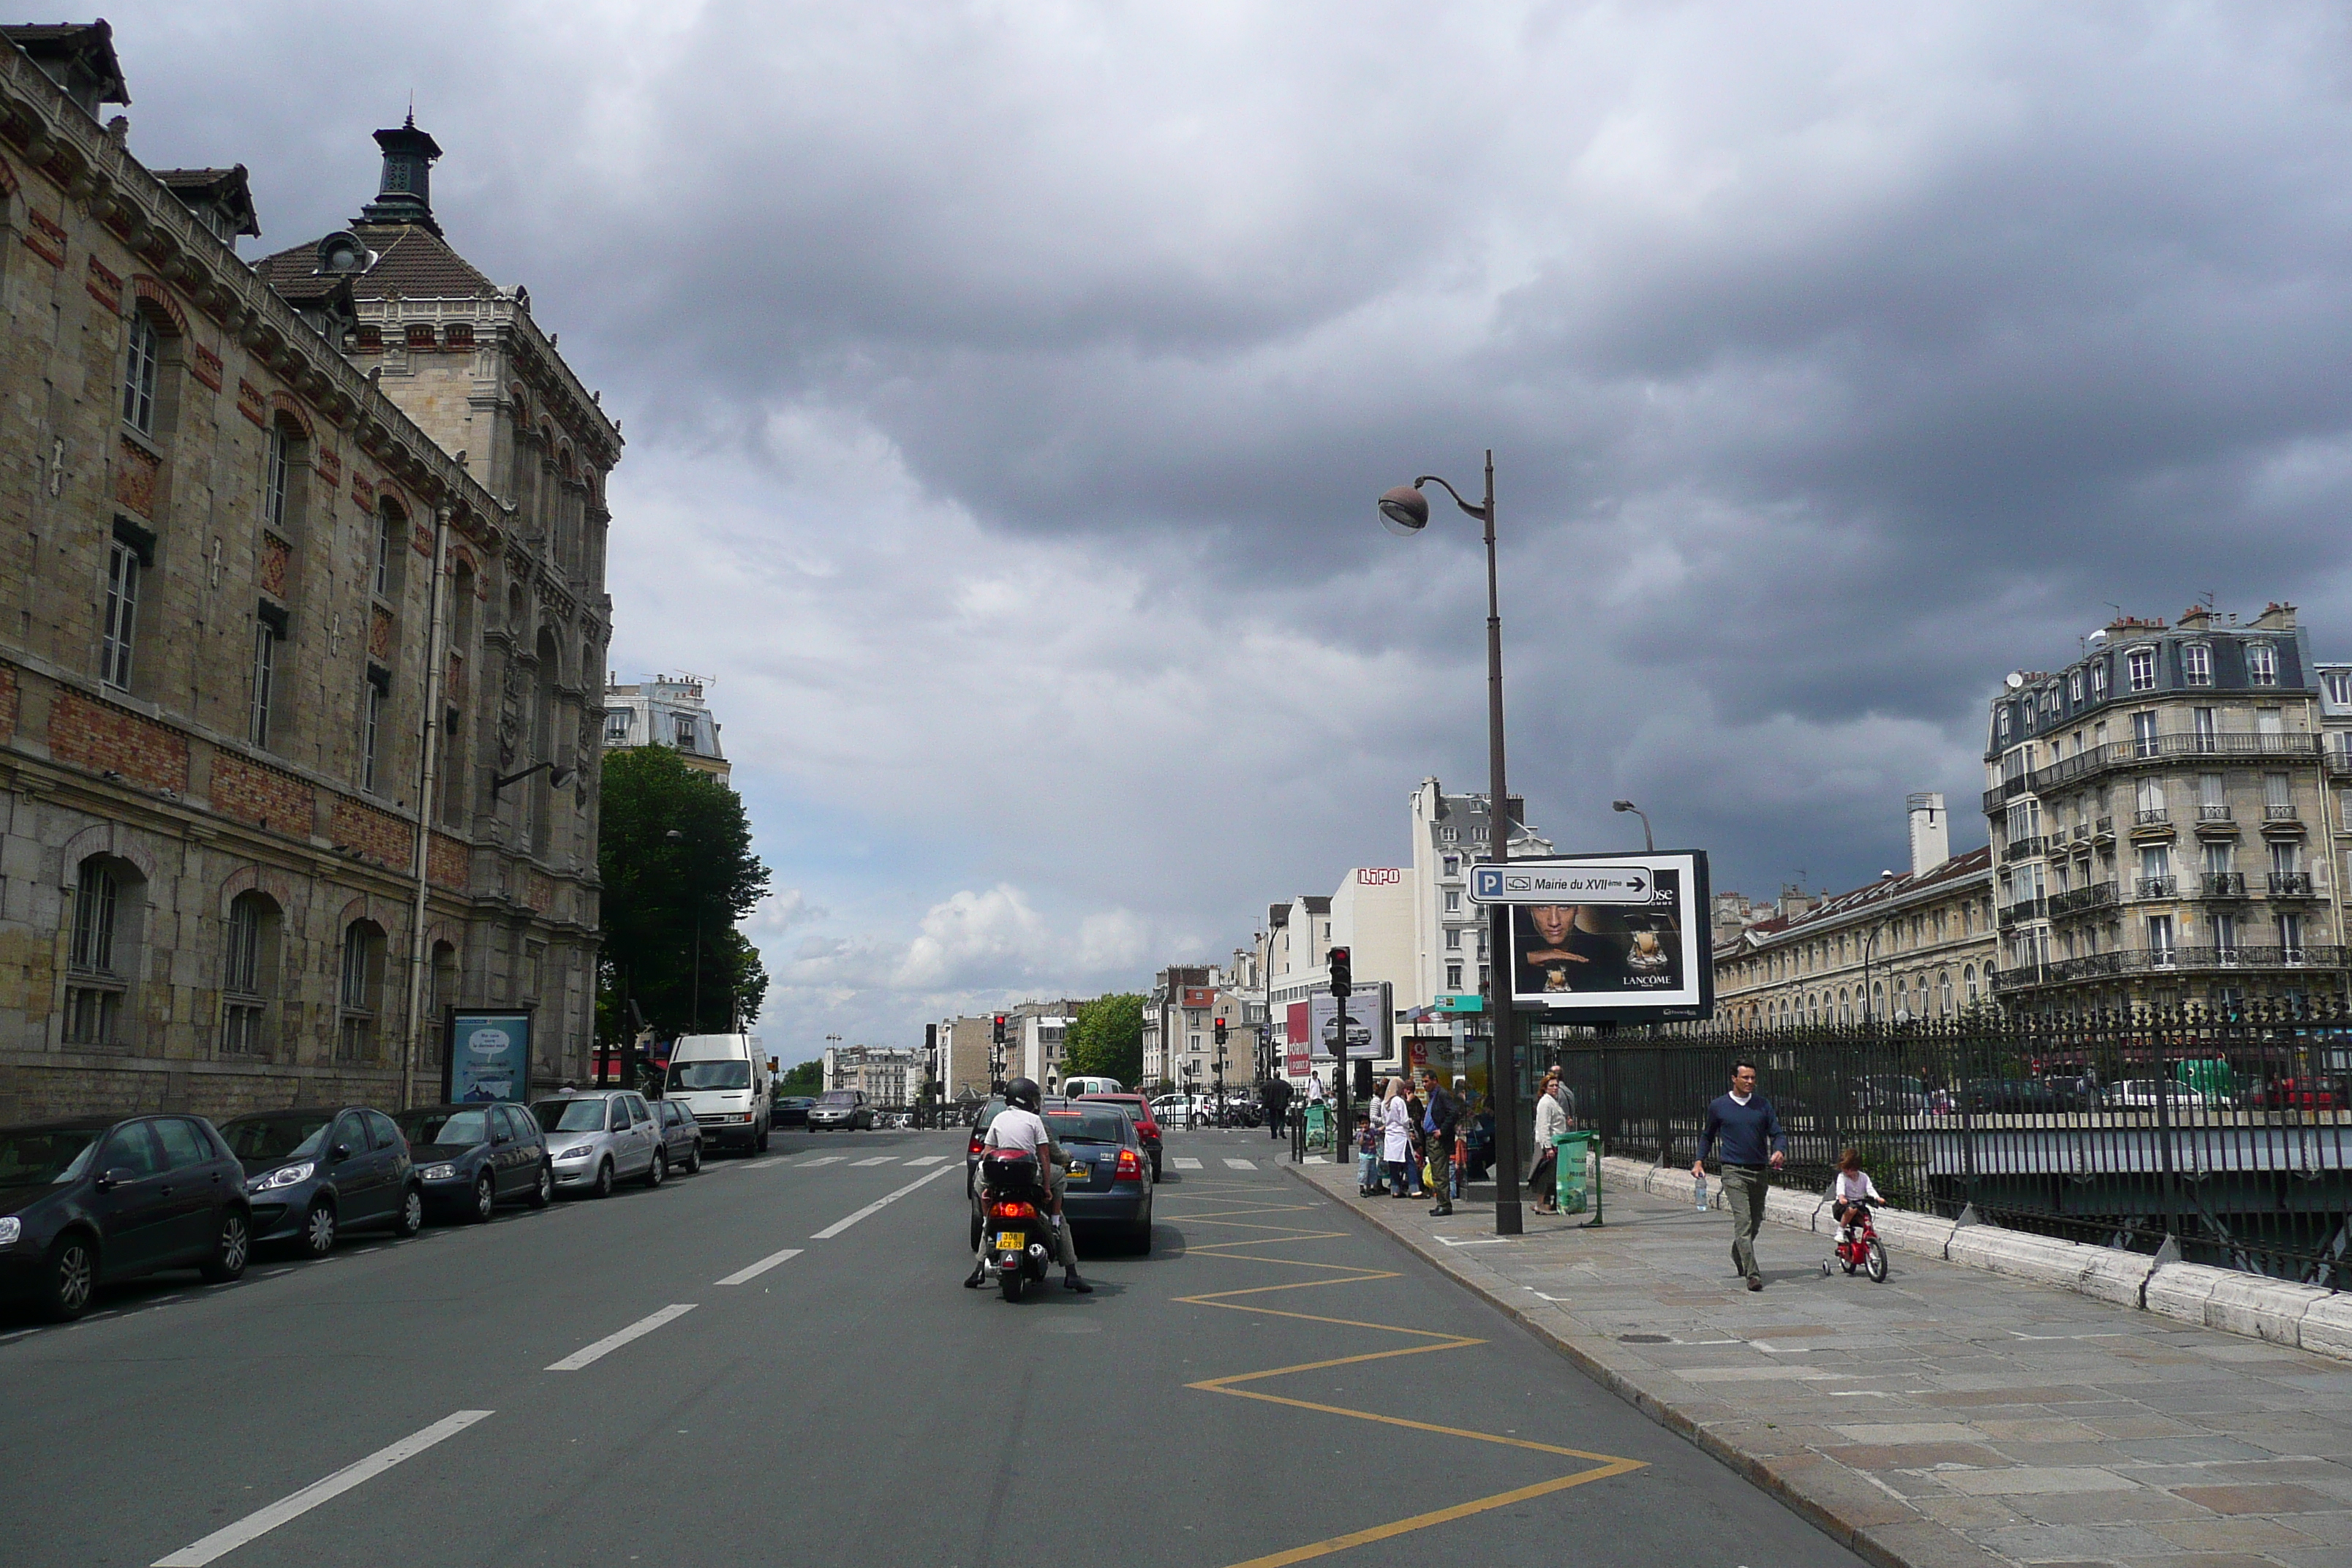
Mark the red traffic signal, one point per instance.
(1342, 972)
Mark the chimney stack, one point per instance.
(1931, 832)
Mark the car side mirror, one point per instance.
(500, 1136)
(114, 1176)
(343, 1151)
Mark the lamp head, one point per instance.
(558, 778)
(1404, 510)
(1621, 805)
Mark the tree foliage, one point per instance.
(1107, 1039)
(664, 898)
(802, 1077)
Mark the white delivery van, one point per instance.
(724, 1080)
(1074, 1086)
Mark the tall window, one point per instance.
(363, 979)
(2074, 691)
(2278, 798)
(139, 375)
(2197, 664)
(251, 921)
(2225, 937)
(2202, 725)
(2098, 682)
(2159, 938)
(2291, 937)
(2151, 801)
(94, 990)
(616, 727)
(265, 679)
(2261, 664)
(2339, 688)
(373, 691)
(122, 565)
(683, 724)
(2139, 668)
(274, 472)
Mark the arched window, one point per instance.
(248, 974)
(141, 370)
(1969, 982)
(360, 992)
(391, 551)
(1944, 993)
(102, 958)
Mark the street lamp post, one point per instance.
(1404, 510)
(1649, 845)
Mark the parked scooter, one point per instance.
(1018, 1226)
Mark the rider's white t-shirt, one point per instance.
(1855, 1185)
(1018, 1129)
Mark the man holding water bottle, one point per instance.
(1752, 1147)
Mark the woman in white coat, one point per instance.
(1551, 1120)
(1396, 1138)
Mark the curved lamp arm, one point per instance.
(1478, 512)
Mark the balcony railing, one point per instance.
(2156, 887)
(2019, 849)
(2290, 884)
(2103, 828)
(2217, 813)
(2236, 957)
(2284, 812)
(2093, 760)
(2079, 900)
(2225, 885)
(2023, 909)
(2151, 816)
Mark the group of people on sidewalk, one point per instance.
(1406, 1143)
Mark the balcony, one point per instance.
(2152, 817)
(2023, 909)
(2236, 958)
(2093, 760)
(2290, 884)
(2156, 887)
(2082, 901)
(2339, 761)
(2224, 885)
(2019, 849)
(2213, 813)
(2104, 830)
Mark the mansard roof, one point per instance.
(410, 260)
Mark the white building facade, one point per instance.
(667, 710)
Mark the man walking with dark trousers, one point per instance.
(1440, 1117)
(1277, 1107)
(1752, 1147)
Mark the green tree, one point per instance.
(802, 1077)
(1107, 1039)
(674, 849)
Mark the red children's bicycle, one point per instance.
(1858, 1246)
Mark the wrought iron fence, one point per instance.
(2229, 1139)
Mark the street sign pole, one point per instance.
(1339, 1139)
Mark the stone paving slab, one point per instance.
(1949, 1417)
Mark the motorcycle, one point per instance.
(1017, 1222)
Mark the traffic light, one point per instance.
(1343, 979)
(1221, 1031)
(1000, 1028)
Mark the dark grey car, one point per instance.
(681, 1135)
(470, 1158)
(313, 1174)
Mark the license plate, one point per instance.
(1009, 1241)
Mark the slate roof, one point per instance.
(1885, 890)
(412, 260)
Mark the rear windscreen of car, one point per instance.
(719, 1074)
(1088, 1127)
(1134, 1108)
(441, 1125)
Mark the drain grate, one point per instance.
(1643, 1339)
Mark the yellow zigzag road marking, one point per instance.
(1602, 1466)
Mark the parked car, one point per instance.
(681, 1135)
(723, 1080)
(90, 1201)
(472, 1157)
(1139, 1110)
(793, 1110)
(841, 1110)
(314, 1174)
(1889, 1094)
(2141, 1094)
(600, 1136)
(2297, 1094)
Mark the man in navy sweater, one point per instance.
(1752, 1143)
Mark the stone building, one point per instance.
(301, 625)
(1914, 944)
(2163, 813)
(667, 710)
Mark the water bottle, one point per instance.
(1698, 1193)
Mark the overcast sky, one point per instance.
(1007, 387)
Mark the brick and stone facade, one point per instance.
(224, 498)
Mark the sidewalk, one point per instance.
(1948, 1417)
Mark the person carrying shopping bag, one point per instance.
(1551, 1120)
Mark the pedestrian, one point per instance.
(1396, 1142)
(1368, 1153)
(1277, 1107)
(1551, 1120)
(1416, 1164)
(1752, 1147)
(1438, 1119)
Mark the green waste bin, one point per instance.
(1318, 1124)
(1570, 1151)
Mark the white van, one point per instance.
(724, 1080)
(1074, 1086)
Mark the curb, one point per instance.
(1865, 1539)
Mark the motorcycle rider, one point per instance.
(1020, 1130)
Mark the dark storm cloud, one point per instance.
(1838, 359)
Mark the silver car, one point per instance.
(601, 1136)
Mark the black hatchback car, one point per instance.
(93, 1201)
(315, 1173)
(472, 1157)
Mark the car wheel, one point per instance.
(71, 1278)
(318, 1229)
(543, 1192)
(659, 1171)
(485, 1198)
(761, 1142)
(230, 1248)
(411, 1213)
(604, 1187)
(694, 1159)
(1139, 1240)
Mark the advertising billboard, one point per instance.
(1314, 1026)
(1607, 938)
(489, 1056)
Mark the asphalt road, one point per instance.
(1275, 1384)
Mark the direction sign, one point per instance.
(1584, 882)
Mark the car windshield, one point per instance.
(1088, 1127)
(838, 1097)
(289, 1137)
(38, 1156)
(569, 1115)
(721, 1074)
(440, 1124)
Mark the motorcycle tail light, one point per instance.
(1012, 1211)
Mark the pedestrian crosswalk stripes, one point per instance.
(1241, 1165)
(927, 1160)
(822, 1160)
(877, 1160)
(1184, 1163)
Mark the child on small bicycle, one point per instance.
(1853, 1194)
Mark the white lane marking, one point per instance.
(927, 1160)
(1184, 1163)
(227, 1540)
(762, 1267)
(611, 1342)
(878, 1159)
(821, 1160)
(878, 1205)
(1241, 1165)
(763, 1164)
